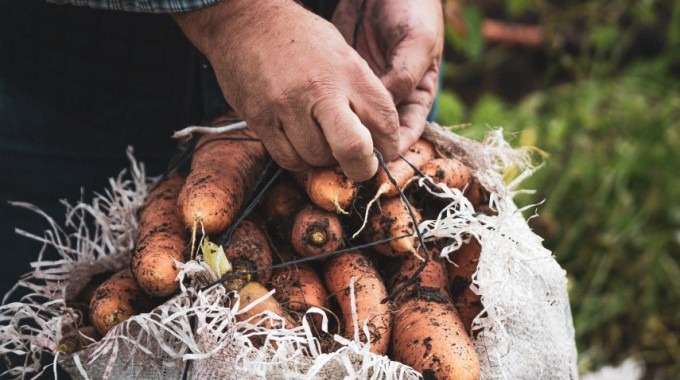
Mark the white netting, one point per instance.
(525, 331)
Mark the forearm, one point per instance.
(211, 27)
(142, 6)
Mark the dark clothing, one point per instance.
(146, 6)
(77, 86)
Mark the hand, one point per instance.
(402, 41)
(290, 74)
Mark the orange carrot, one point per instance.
(247, 250)
(468, 303)
(433, 275)
(401, 171)
(116, 300)
(393, 221)
(315, 231)
(278, 208)
(428, 334)
(81, 301)
(283, 252)
(161, 240)
(224, 170)
(252, 292)
(486, 209)
(454, 174)
(449, 171)
(476, 194)
(298, 288)
(328, 188)
(369, 290)
(282, 201)
(417, 155)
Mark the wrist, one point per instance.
(221, 23)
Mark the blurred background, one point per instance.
(595, 87)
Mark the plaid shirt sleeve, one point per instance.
(144, 6)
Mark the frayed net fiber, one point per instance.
(524, 332)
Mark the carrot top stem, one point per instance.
(317, 238)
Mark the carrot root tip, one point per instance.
(339, 208)
(381, 190)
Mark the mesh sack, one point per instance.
(524, 332)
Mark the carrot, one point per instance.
(247, 250)
(283, 252)
(449, 171)
(254, 291)
(224, 170)
(486, 209)
(468, 303)
(77, 339)
(278, 208)
(400, 169)
(298, 288)
(116, 300)
(476, 194)
(433, 275)
(428, 334)
(328, 188)
(315, 231)
(161, 240)
(369, 290)
(454, 174)
(393, 221)
(281, 202)
(81, 301)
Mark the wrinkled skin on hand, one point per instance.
(312, 99)
(402, 41)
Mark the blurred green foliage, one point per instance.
(611, 181)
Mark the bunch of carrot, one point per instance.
(382, 285)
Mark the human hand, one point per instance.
(402, 41)
(290, 74)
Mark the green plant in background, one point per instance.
(611, 182)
